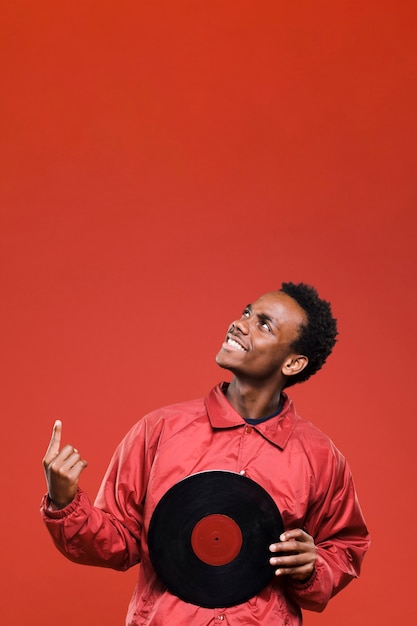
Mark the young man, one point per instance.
(250, 427)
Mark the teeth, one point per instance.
(235, 344)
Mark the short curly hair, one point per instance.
(318, 337)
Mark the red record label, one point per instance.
(216, 539)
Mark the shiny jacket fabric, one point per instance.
(294, 461)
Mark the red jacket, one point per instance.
(294, 461)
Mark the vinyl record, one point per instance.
(209, 538)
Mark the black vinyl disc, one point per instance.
(209, 538)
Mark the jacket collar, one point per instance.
(222, 415)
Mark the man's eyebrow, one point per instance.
(265, 318)
(262, 317)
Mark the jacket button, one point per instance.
(248, 429)
(221, 617)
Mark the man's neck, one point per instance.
(251, 400)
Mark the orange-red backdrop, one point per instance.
(163, 163)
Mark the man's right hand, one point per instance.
(62, 469)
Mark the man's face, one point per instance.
(257, 346)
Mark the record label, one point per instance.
(216, 539)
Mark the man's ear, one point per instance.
(294, 365)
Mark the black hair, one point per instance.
(318, 336)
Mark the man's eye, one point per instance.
(246, 313)
(266, 326)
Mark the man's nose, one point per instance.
(240, 325)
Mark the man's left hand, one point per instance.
(295, 555)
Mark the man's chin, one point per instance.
(226, 362)
(222, 361)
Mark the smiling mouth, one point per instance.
(235, 345)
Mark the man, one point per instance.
(249, 427)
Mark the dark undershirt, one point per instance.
(253, 422)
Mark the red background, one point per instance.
(162, 164)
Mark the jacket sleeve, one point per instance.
(107, 533)
(336, 523)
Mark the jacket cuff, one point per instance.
(314, 593)
(48, 512)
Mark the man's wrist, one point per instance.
(304, 581)
(55, 506)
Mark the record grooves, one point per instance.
(209, 538)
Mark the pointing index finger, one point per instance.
(55, 442)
